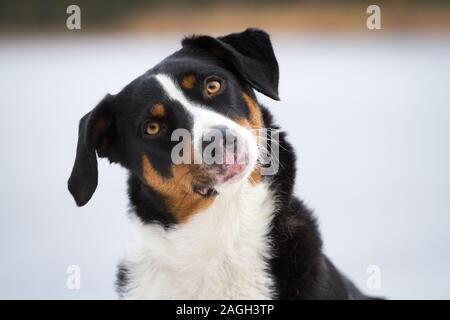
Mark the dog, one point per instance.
(207, 231)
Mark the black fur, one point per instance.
(249, 54)
(112, 130)
(122, 278)
(301, 269)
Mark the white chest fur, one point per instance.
(220, 253)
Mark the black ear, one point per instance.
(97, 132)
(251, 55)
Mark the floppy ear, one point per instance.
(251, 55)
(96, 133)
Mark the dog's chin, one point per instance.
(205, 191)
(231, 185)
(227, 181)
(228, 177)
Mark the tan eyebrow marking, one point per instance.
(188, 81)
(158, 110)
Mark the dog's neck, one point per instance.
(219, 252)
(233, 207)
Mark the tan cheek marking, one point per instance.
(243, 122)
(256, 123)
(255, 116)
(255, 177)
(158, 110)
(181, 200)
(188, 82)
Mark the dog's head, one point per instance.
(202, 95)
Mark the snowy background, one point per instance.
(368, 116)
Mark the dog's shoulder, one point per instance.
(299, 266)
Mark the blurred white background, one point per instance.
(369, 118)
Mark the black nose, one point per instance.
(217, 139)
(227, 137)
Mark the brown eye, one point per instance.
(152, 128)
(213, 86)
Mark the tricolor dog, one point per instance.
(207, 230)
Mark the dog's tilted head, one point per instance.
(162, 124)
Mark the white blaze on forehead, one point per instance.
(204, 118)
(172, 90)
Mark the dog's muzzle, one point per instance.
(224, 157)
